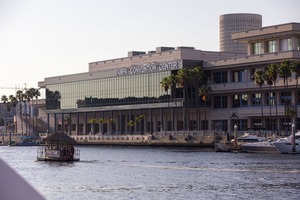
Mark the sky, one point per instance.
(45, 38)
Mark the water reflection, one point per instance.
(160, 173)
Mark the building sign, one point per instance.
(151, 67)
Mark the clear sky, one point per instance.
(44, 38)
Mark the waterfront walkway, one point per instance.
(192, 140)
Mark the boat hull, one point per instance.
(45, 154)
(287, 147)
(259, 147)
(225, 146)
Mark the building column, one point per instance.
(62, 123)
(120, 122)
(55, 123)
(70, 124)
(162, 128)
(150, 122)
(77, 124)
(48, 123)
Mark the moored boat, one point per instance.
(286, 146)
(260, 147)
(28, 141)
(226, 146)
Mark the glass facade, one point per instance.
(120, 90)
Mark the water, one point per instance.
(159, 173)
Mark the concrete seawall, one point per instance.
(180, 140)
(185, 140)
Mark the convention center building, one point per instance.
(130, 94)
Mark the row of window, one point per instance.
(270, 46)
(242, 100)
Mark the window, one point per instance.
(220, 102)
(220, 77)
(238, 76)
(286, 98)
(240, 100)
(256, 48)
(286, 44)
(271, 99)
(256, 99)
(271, 46)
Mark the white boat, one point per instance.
(266, 146)
(229, 146)
(286, 146)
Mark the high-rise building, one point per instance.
(231, 23)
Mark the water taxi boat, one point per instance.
(59, 148)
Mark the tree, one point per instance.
(197, 77)
(101, 121)
(36, 94)
(183, 76)
(29, 95)
(166, 84)
(259, 79)
(269, 80)
(272, 75)
(20, 98)
(296, 70)
(285, 71)
(92, 122)
(205, 91)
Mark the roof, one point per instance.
(59, 138)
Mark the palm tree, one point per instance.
(36, 94)
(259, 79)
(173, 85)
(20, 99)
(296, 70)
(269, 81)
(183, 76)
(285, 71)
(272, 73)
(101, 121)
(29, 96)
(92, 122)
(197, 76)
(166, 84)
(205, 91)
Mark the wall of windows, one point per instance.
(238, 75)
(121, 90)
(220, 102)
(240, 100)
(220, 77)
(256, 99)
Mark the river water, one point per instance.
(109, 172)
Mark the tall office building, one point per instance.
(238, 22)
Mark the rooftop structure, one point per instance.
(231, 23)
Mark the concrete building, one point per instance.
(231, 23)
(127, 95)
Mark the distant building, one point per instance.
(231, 23)
(122, 90)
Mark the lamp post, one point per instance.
(4, 132)
(235, 135)
(293, 139)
